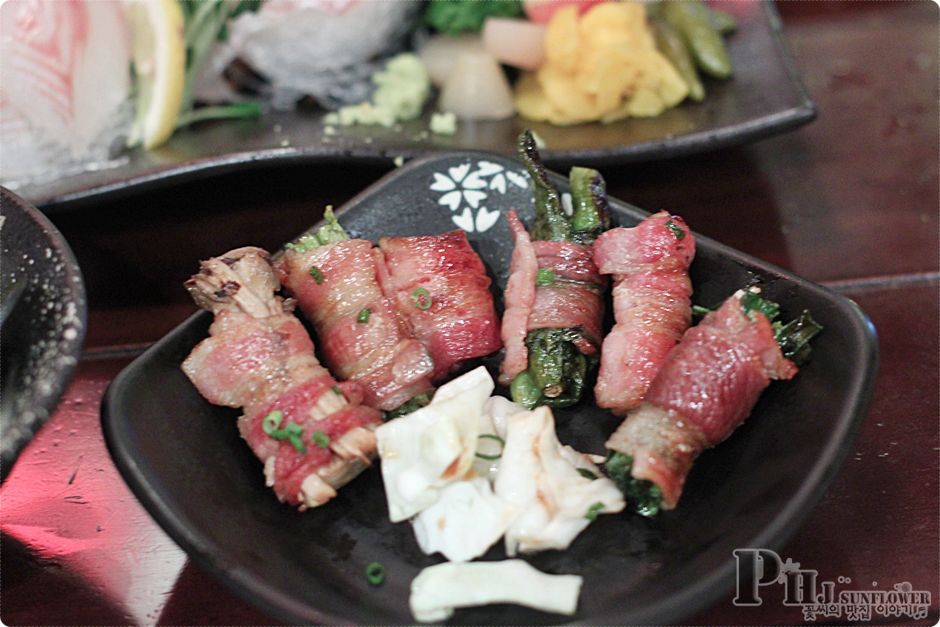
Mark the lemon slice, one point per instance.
(159, 51)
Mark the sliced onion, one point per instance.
(440, 54)
(477, 89)
(518, 43)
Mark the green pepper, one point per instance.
(557, 370)
(590, 215)
(690, 18)
(672, 45)
(551, 223)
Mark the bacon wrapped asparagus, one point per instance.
(652, 307)
(312, 435)
(709, 384)
(554, 296)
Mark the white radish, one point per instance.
(518, 43)
(441, 52)
(477, 89)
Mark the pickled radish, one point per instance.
(477, 89)
(518, 43)
(441, 52)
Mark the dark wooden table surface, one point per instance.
(850, 201)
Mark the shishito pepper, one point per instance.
(557, 369)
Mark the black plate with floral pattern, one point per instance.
(186, 463)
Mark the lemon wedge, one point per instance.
(159, 53)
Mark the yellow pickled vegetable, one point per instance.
(603, 66)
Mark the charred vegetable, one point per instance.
(558, 365)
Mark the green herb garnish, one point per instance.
(698, 310)
(587, 474)
(458, 16)
(292, 432)
(421, 298)
(321, 439)
(544, 277)
(336, 390)
(675, 228)
(593, 511)
(363, 316)
(793, 337)
(491, 436)
(375, 573)
(316, 274)
(272, 421)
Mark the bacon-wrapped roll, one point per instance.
(652, 307)
(554, 296)
(707, 387)
(312, 435)
(441, 287)
(337, 283)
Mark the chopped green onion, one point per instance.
(698, 310)
(587, 474)
(676, 229)
(491, 436)
(296, 442)
(593, 510)
(336, 390)
(363, 316)
(291, 432)
(316, 274)
(272, 422)
(544, 277)
(375, 573)
(321, 439)
(421, 298)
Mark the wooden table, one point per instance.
(850, 201)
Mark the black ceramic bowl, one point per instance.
(43, 312)
(185, 461)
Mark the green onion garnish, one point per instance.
(593, 510)
(272, 422)
(375, 573)
(363, 316)
(698, 310)
(587, 474)
(336, 390)
(321, 439)
(291, 432)
(544, 277)
(676, 229)
(316, 274)
(421, 298)
(491, 436)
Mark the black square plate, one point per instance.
(184, 459)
